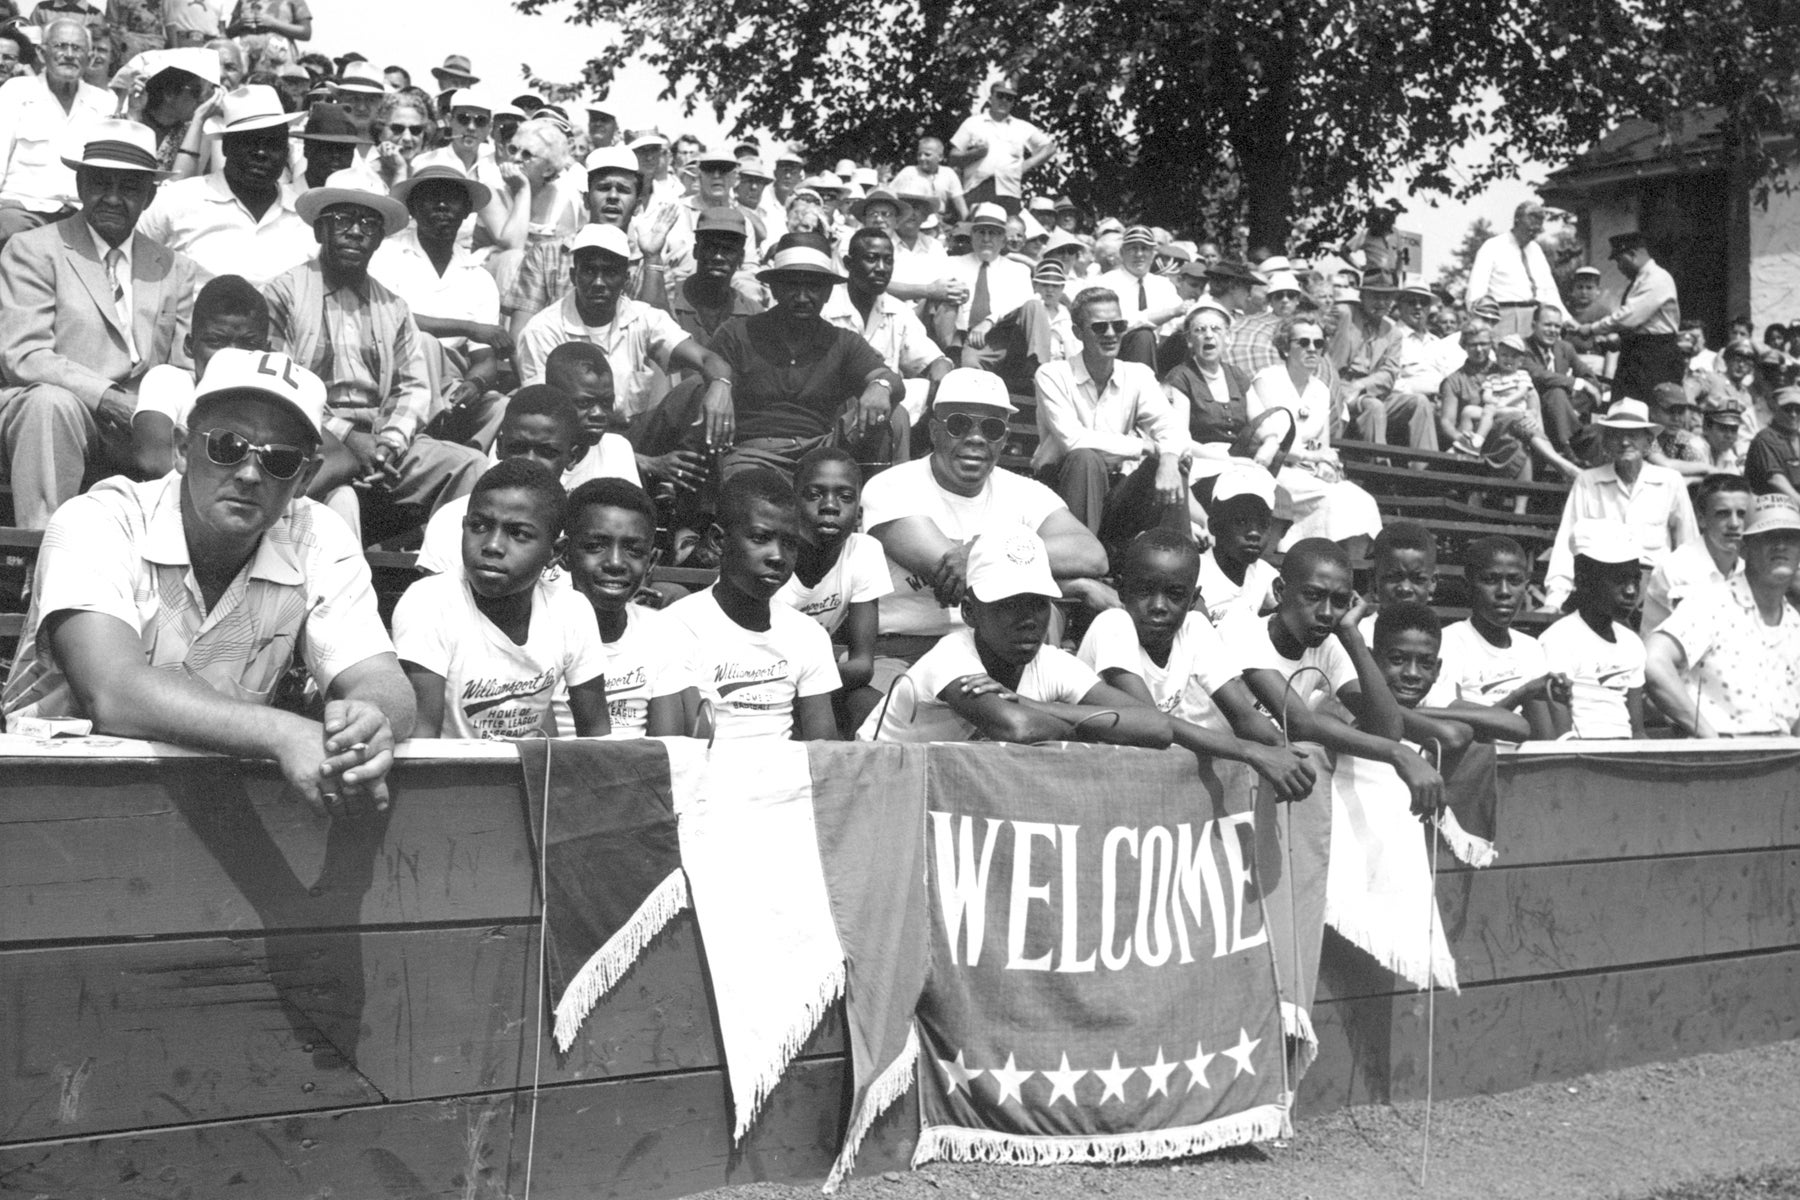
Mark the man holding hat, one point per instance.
(1727, 662)
(1647, 321)
(87, 306)
(39, 114)
(995, 285)
(171, 609)
(1650, 501)
(1773, 462)
(996, 150)
(360, 338)
(243, 220)
(1146, 300)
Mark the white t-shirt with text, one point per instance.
(1600, 671)
(913, 712)
(1198, 665)
(752, 678)
(859, 574)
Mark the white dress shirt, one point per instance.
(35, 133)
(1125, 420)
(1158, 291)
(202, 219)
(1656, 509)
(1009, 285)
(1511, 273)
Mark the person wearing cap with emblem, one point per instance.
(1588, 301)
(87, 306)
(1651, 502)
(996, 150)
(1039, 331)
(38, 114)
(928, 176)
(995, 285)
(343, 325)
(643, 344)
(1647, 321)
(452, 297)
(241, 220)
(470, 116)
(891, 326)
(1722, 429)
(1147, 300)
(1602, 656)
(1726, 663)
(172, 609)
(1773, 461)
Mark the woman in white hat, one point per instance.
(171, 92)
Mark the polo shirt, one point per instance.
(1745, 672)
(464, 292)
(202, 219)
(1009, 143)
(1656, 509)
(1127, 417)
(35, 133)
(782, 391)
(121, 550)
(744, 303)
(1771, 454)
(893, 329)
(637, 343)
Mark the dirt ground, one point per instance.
(1711, 1127)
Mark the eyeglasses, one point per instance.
(1102, 328)
(1301, 343)
(960, 425)
(227, 449)
(400, 130)
(365, 223)
(475, 120)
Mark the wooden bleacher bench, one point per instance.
(1379, 480)
(1415, 508)
(1436, 460)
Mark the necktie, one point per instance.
(979, 304)
(1143, 296)
(1530, 281)
(122, 310)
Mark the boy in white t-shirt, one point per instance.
(610, 536)
(1489, 662)
(995, 678)
(581, 372)
(1307, 662)
(1408, 639)
(1603, 658)
(485, 648)
(840, 574)
(1161, 652)
(1234, 576)
(766, 670)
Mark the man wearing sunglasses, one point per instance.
(172, 609)
(996, 150)
(1108, 438)
(360, 337)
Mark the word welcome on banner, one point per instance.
(1102, 982)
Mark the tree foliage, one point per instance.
(1453, 276)
(1288, 116)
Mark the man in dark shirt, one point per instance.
(798, 381)
(1773, 461)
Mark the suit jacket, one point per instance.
(57, 321)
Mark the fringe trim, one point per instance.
(958, 1144)
(1476, 851)
(766, 1073)
(609, 963)
(888, 1087)
(1303, 1042)
(1378, 945)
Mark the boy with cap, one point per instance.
(171, 609)
(1603, 657)
(996, 679)
(1234, 576)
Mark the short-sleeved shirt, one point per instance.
(168, 390)
(1249, 641)
(1198, 665)
(1485, 673)
(893, 330)
(1009, 143)
(1600, 672)
(121, 550)
(782, 391)
(752, 678)
(859, 575)
(1771, 455)
(1680, 573)
(940, 185)
(495, 688)
(638, 669)
(637, 345)
(914, 713)
(1223, 599)
(202, 219)
(909, 490)
(1746, 672)
(464, 292)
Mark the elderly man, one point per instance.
(87, 306)
(38, 116)
(927, 511)
(1647, 321)
(890, 326)
(1146, 299)
(1402, 389)
(993, 284)
(1365, 329)
(172, 609)
(1511, 270)
(243, 220)
(1099, 414)
(1727, 662)
(996, 150)
(338, 322)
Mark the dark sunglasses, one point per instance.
(473, 119)
(227, 449)
(960, 425)
(1317, 343)
(415, 130)
(1102, 328)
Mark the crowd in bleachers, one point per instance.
(263, 310)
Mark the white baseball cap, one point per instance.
(267, 373)
(1773, 513)
(1606, 541)
(1010, 562)
(975, 388)
(1235, 481)
(607, 238)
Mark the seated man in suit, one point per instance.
(87, 305)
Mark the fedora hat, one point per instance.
(987, 213)
(858, 207)
(361, 77)
(479, 192)
(118, 146)
(351, 187)
(254, 106)
(1626, 414)
(1232, 271)
(456, 66)
(800, 262)
(329, 122)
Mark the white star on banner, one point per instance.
(1197, 1068)
(1240, 1053)
(1063, 1081)
(1008, 1078)
(1114, 1079)
(1158, 1073)
(956, 1075)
